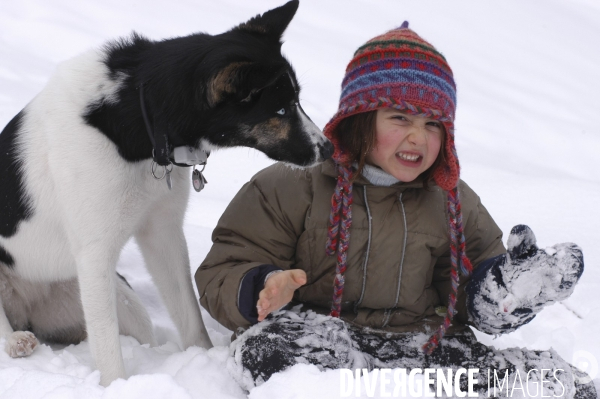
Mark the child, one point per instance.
(372, 244)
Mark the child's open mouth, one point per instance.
(409, 159)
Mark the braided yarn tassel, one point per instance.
(458, 259)
(334, 217)
(456, 217)
(338, 238)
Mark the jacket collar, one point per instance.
(328, 169)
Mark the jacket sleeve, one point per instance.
(483, 240)
(250, 287)
(261, 226)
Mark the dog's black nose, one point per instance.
(326, 150)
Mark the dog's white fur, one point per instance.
(87, 202)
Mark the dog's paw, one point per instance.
(20, 344)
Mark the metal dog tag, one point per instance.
(168, 175)
(198, 180)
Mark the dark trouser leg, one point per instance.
(290, 338)
(455, 352)
(584, 386)
(305, 337)
(513, 367)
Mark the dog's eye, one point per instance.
(281, 111)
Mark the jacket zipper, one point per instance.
(364, 282)
(389, 311)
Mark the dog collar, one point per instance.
(158, 135)
(164, 155)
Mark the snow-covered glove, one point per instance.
(508, 291)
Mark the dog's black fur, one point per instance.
(14, 206)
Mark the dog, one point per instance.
(84, 167)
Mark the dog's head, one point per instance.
(237, 89)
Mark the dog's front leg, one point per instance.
(97, 283)
(164, 248)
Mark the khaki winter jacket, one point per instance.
(398, 258)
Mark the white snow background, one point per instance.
(528, 138)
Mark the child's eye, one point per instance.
(434, 126)
(400, 118)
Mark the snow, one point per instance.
(528, 135)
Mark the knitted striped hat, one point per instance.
(397, 70)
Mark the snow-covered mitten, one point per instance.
(509, 290)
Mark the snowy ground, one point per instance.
(528, 135)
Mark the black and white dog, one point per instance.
(79, 167)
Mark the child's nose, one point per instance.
(417, 134)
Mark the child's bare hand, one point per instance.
(278, 291)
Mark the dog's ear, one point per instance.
(242, 80)
(273, 22)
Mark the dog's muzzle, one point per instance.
(325, 150)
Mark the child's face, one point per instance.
(406, 145)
